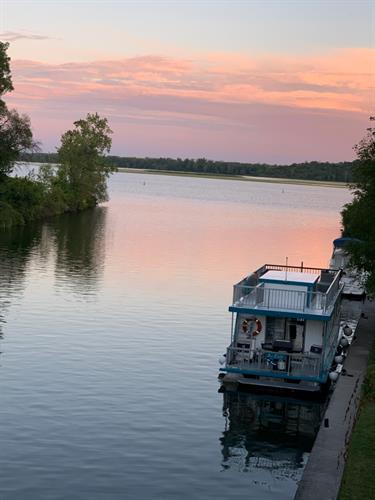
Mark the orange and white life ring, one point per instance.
(258, 328)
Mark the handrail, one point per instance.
(333, 288)
(302, 269)
(276, 298)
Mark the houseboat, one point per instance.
(285, 328)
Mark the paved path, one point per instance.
(323, 473)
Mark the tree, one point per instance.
(15, 131)
(84, 170)
(15, 138)
(358, 217)
(5, 75)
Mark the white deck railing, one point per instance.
(262, 297)
(251, 292)
(276, 298)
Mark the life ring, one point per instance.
(258, 328)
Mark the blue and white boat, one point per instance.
(285, 328)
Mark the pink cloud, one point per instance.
(233, 94)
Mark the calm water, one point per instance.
(112, 322)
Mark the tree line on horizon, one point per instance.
(312, 170)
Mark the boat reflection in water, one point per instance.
(268, 432)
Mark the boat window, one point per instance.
(289, 329)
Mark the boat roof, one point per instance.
(289, 277)
(343, 241)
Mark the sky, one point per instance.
(274, 81)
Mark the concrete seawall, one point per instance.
(323, 473)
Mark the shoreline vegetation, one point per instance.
(77, 182)
(246, 178)
(331, 174)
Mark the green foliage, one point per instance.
(25, 195)
(358, 217)
(77, 183)
(15, 138)
(56, 197)
(9, 216)
(83, 169)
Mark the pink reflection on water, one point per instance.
(172, 244)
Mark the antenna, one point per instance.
(286, 268)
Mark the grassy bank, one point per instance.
(359, 476)
(245, 178)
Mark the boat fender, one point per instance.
(344, 342)
(333, 376)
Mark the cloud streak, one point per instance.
(13, 36)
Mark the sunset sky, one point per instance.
(255, 81)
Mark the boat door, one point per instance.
(295, 332)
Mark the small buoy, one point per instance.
(339, 359)
(347, 331)
(344, 342)
(333, 376)
(222, 359)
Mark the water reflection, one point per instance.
(79, 241)
(269, 433)
(16, 247)
(67, 252)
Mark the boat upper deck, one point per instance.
(279, 289)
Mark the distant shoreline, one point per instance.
(245, 178)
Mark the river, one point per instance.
(112, 322)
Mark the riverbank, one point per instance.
(246, 178)
(324, 470)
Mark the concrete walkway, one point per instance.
(323, 473)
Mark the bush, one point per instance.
(9, 216)
(24, 195)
